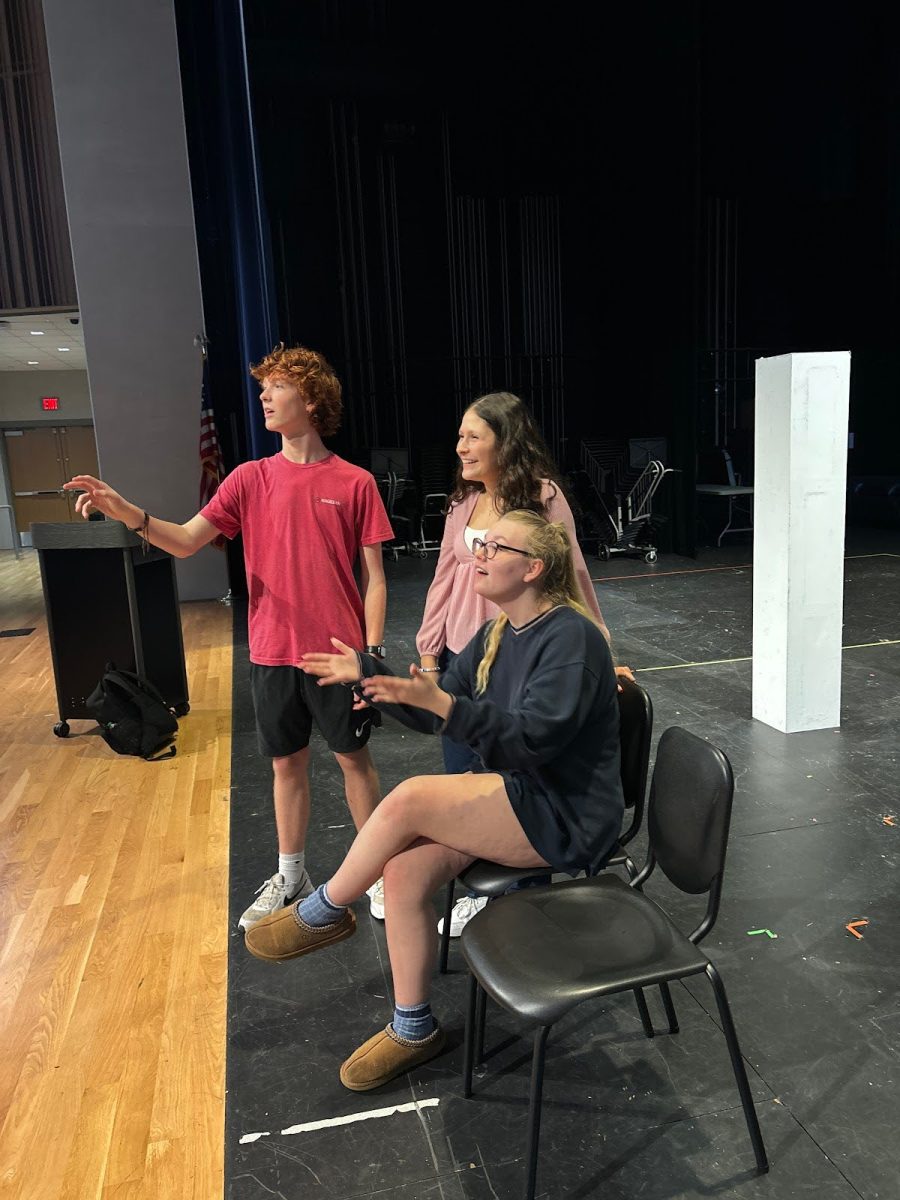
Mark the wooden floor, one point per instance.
(113, 928)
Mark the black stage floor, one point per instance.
(816, 1009)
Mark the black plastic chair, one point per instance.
(635, 729)
(540, 953)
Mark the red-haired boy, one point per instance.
(305, 515)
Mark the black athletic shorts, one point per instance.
(287, 704)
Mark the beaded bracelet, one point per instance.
(142, 532)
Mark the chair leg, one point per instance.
(534, 1107)
(630, 869)
(643, 1011)
(469, 1056)
(480, 1017)
(737, 1065)
(445, 936)
(669, 1006)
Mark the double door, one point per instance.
(40, 461)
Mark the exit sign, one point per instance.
(50, 403)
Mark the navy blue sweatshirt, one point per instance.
(548, 722)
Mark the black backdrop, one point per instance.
(610, 213)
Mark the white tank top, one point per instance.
(470, 534)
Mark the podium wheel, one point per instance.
(181, 710)
(61, 729)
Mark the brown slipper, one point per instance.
(284, 935)
(387, 1055)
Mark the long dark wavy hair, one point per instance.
(522, 456)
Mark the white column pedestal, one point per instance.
(802, 404)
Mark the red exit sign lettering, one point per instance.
(50, 403)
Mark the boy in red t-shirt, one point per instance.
(305, 515)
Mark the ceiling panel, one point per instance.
(42, 342)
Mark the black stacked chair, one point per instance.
(435, 474)
(608, 936)
(635, 730)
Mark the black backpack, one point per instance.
(132, 715)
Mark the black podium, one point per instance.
(108, 601)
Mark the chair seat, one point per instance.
(489, 879)
(542, 951)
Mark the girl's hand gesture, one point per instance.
(419, 691)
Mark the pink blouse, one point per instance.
(454, 612)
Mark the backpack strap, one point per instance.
(136, 683)
(145, 686)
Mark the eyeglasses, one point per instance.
(490, 548)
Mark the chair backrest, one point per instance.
(635, 731)
(714, 465)
(690, 811)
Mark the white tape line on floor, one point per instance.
(371, 1114)
(715, 662)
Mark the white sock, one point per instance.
(292, 867)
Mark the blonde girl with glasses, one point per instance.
(503, 465)
(534, 693)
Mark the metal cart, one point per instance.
(633, 509)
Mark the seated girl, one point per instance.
(534, 693)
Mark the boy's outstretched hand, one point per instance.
(97, 496)
(342, 667)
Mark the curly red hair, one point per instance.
(314, 376)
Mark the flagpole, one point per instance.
(201, 341)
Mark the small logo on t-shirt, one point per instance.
(325, 500)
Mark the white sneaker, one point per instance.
(463, 912)
(274, 894)
(376, 899)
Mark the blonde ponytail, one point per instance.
(491, 646)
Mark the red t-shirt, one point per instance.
(303, 524)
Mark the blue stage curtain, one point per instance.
(232, 226)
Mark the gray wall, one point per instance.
(21, 392)
(117, 92)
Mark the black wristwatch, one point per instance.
(378, 651)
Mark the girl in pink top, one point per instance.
(503, 465)
(454, 611)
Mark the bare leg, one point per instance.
(468, 813)
(291, 787)
(410, 880)
(360, 784)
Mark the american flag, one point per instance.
(212, 469)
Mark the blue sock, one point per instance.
(413, 1021)
(317, 909)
